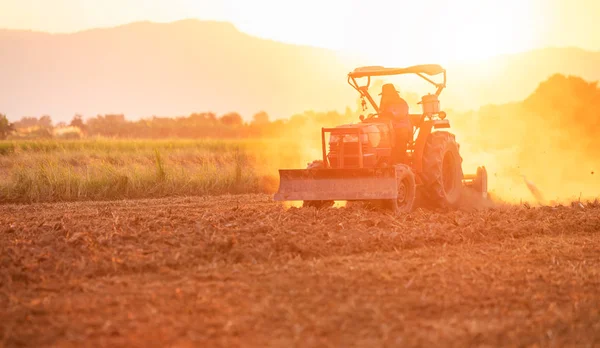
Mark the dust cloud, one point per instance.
(544, 149)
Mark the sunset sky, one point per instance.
(439, 30)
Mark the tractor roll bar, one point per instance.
(420, 70)
(363, 90)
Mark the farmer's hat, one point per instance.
(388, 89)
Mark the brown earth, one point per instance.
(244, 271)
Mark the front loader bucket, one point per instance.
(336, 184)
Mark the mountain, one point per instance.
(144, 69)
(171, 69)
(508, 78)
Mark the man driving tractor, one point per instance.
(395, 109)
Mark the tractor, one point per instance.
(375, 160)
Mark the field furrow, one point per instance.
(242, 270)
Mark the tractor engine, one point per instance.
(348, 144)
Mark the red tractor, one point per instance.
(390, 157)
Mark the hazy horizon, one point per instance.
(501, 27)
(146, 69)
(495, 53)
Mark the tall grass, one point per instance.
(70, 170)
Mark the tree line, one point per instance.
(567, 106)
(196, 125)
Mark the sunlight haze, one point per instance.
(256, 173)
(388, 32)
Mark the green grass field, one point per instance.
(96, 169)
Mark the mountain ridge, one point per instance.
(146, 68)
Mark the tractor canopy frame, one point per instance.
(370, 71)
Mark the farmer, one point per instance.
(395, 109)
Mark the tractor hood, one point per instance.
(362, 128)
(364, 132)
(366, 127)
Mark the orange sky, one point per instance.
(433, 30)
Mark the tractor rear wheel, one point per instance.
(407, 190)
(442, 171)
(317, 204)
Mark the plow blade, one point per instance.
(336, 184)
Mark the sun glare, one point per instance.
(480, 29)
(397, 32)
(443, 31)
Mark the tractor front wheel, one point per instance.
(406, 191)
(442, 171)
(317, 204)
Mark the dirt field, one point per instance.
(244, 271)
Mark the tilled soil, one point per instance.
(245, 271)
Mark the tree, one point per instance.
(232, 119)
(204, 117)
(26, 122)
(260, 118)
(77, 121)
(5, 127)
(110, 125)
(45, 122)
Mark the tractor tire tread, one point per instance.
(433, 161)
